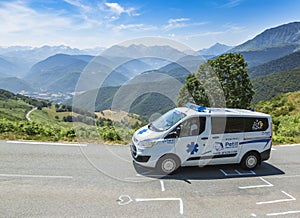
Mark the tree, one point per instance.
(192, 91)
(221, 82)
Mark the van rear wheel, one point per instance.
(250, 161)
(167, 164)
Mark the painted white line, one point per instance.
(285, 176)
(273, 149)
(162, 185)
(163, 199)
(283, 213)
(223, 172)
(245, 174)
(46, 143)
(268, 184)
(238, 173)
(289, 145)
(140, 179)
(253, 215)
(36, 176)
(291, 198)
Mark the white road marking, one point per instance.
(273, 149)
(289, 145)
(164, 199)
(35, 176)
(46, 143)
(258, 186)
(244, 174)
(140, 179)
(291, 198)
(285, 176)
(283, 213)
(124, 200)
(253, 214)
(162, 185)
(238, 173)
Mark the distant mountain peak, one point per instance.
(215, 49)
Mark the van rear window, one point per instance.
(222, 125)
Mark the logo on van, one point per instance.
(219, 146)
(257, 125)
(192, 148)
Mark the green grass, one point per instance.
(285, 112)
(14, 109)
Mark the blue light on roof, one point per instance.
(196, 107)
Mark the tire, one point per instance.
(250, 161)
(167, 164)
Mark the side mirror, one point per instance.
(172, 135)
(178, 129)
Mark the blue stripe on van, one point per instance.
(256, 141)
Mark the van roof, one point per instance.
(193, 109)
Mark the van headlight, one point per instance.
(146, 143)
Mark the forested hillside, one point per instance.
(285, 63)
(271, 85)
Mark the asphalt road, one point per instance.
(58, 180)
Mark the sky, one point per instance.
(102, 23)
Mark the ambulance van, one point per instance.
(199, 136)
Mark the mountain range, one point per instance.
(271, 54)
(215, 50)
(22, 58)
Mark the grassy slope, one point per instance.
(15, 110)
(285, 112)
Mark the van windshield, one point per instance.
(167, 120)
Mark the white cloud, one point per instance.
(114, 10)
(17, 17)
(180, 23)
(231, 4)
(136, 27)
(79, 4)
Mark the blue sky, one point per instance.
(102, 23)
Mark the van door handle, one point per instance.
(215, 137)
(204, 138)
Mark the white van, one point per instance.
(198, 136)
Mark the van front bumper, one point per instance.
(138, 158)
(141, 159)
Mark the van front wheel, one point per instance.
(250, 161)
(167, 164)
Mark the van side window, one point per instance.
(192, 126)
(256, 124)
(218, 125)
(234, 124)
(222, 125)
